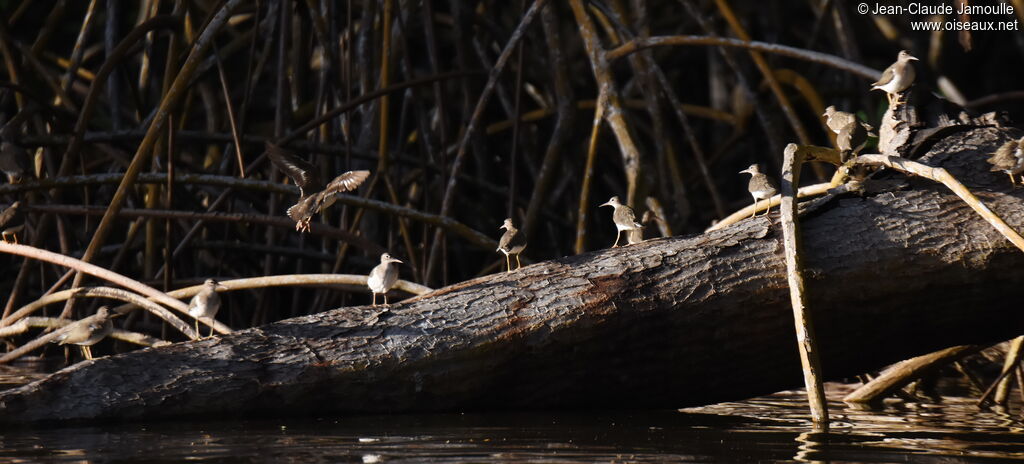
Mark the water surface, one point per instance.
(768, 429)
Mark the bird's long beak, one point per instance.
(221, 287)
(606, 204)
(912, 57)
(745, 171)
(503, 227)
(397, 261)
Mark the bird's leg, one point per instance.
(769, 209)
(15, 238)
(87, 352)
(1012, 179)
(211, 329)
(617, 235)
(5, 237)
(518, 264)
(754, 212)
(374, 299)
(508, 263)
(385, 298)
(198, 334)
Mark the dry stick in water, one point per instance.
(905, 372)
(1010, 363)
(805, 337)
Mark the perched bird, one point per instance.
(313, 195)
(13, 161)
(897, 77)
(623, 217)
(12, 221)
(88, 331)
(383, 277)
(206, 303)
(512, 242)
(760, 187)
(1009, 158)
(851, 134)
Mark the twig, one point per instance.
(92, 269)
(905, 372)
(807, 342)
(588, 175)
(104, 292)
(1003, 384)
(793, 52)
(945, 178)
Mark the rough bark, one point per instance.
(663, 324)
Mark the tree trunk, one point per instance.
(666, 323)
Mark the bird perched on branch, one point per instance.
(512, 242)
(88, 331)
(898, 77)
(1009, 158)
(623, 217)
(13, 161)
(851, 134)
(12, 222)
(206, 303)
(760, 187)
(313, 195)
(383, 277)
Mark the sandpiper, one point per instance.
(206, 303)
(851, 134)
(1009, 158)
(12, 221)
(88, 331)
(13, 161)
(313, 195)
(623, 217)
(897, 77)
(760, 187)
(383, 277)
(512, 242)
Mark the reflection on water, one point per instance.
(768, 429)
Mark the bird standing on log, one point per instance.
(898, 77)
(206, 303)
(383, 277)
(512, 242)
(623, 217)
(760, 187)
(89, 331)
(851, 134)
(313, 195)
(1009, 158)
(12, 221)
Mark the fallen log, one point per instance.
(667, 323)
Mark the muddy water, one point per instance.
(767, 429)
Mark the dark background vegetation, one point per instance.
(287, 62)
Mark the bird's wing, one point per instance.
(1003, 157)
(345, 182)
(505, 241)
(301, 171)
(839, 120)
(8, 214)
(887, 76)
